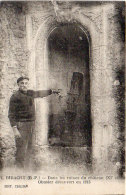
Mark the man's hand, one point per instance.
(16, 132)
(54, 91)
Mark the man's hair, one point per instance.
(22, 78)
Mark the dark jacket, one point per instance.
(22, 107)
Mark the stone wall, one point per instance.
(116, 60)
(13, 63)
(25, 28)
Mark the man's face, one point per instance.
(23, 85)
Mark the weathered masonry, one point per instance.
(77, 47)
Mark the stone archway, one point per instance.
(101, 108)
(40, 65)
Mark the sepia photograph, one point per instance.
(62, 97)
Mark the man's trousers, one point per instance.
(24, 143)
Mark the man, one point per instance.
(22, 116)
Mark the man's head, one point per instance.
(23, 83)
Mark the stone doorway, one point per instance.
(69, 115)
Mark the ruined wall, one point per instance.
(13, 63)
(116, 62)
(25, 28)
(94, 18)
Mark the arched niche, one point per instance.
(68, 65)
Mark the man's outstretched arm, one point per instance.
(42, 93)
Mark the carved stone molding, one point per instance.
(66, 12)
(62, 11)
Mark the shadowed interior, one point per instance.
(69, 117)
